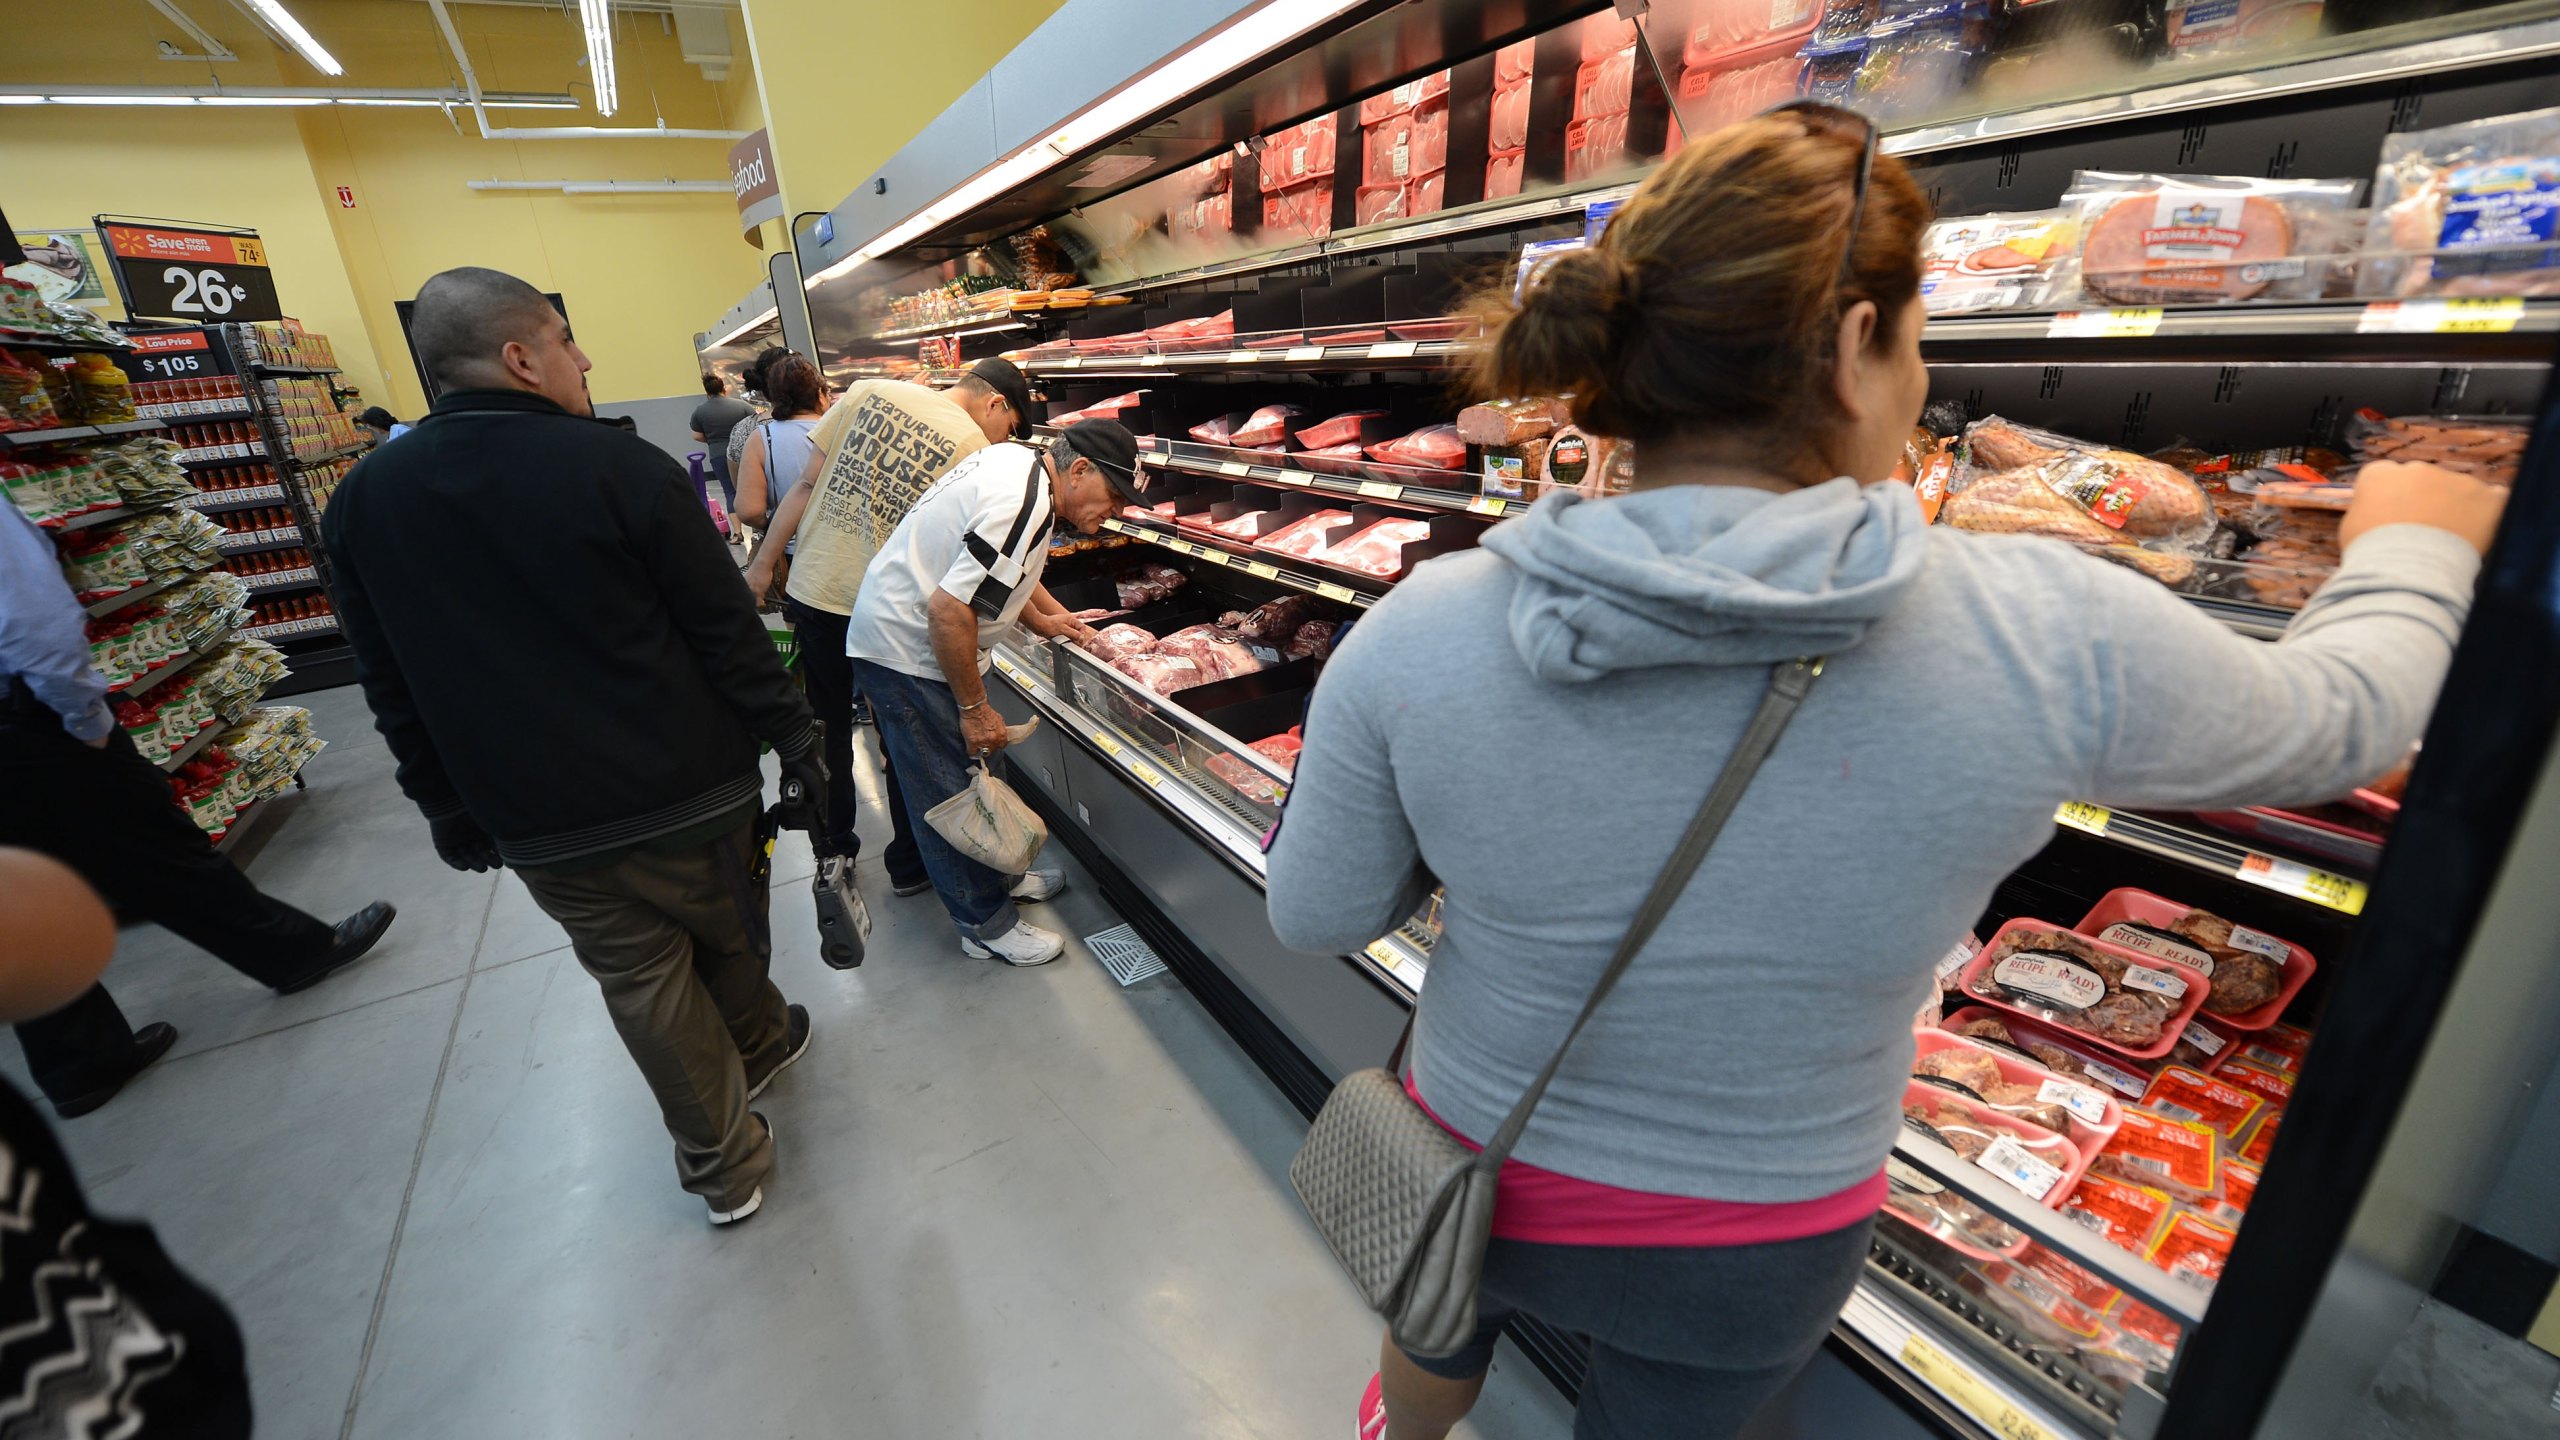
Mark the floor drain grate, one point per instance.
(1125, 955)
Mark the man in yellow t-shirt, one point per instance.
(883, 445)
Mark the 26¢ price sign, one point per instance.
(173, 272)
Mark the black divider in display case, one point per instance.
(1987, 1309)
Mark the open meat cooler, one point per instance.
(2219, 1227)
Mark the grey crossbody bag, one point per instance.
(1405, 1206)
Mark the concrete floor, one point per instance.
(1010, 1203)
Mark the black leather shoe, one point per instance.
(356, 935)
(149, 1043)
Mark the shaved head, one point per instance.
(478, 329)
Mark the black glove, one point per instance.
(804, 786)
(462, 844)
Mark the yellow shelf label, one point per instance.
(2440, 317)
(1145, 772)
(1292, 477)
(1115, 527)
(1243, 357)
(2288, 877)
(1379, 490)
(1233, 467)
(2131, 323)
(1970, 1394)
(2080, 815)
(1386, 956)
(1331, 591)
(1267, 572)
(1487, 505)
(1106, 744)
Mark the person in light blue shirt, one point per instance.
(379, 424)
(79, 791)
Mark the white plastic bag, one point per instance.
(990, 824)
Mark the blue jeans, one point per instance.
(919, 726)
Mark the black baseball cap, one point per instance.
(1006, 379)
(1113, 451)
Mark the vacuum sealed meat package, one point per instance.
(1265, 428)
(1434, 447)
(1149, 584)
(1113, 641)
(1218, 654)
(2112, 503)
(1163, 674)
(2487, 446)
(1304, 537)
(1344, 459)
(1273, 622)
(1509, 422)
(2469, 209)
(2224, 27)
(2018, 261)
(2150, 239)
(1314, 641)
(1339, 430)
(1377, 550)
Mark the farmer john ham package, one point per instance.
(2205, 239)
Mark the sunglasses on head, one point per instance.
(1819, 115)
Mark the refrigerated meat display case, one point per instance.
(2246, 1215)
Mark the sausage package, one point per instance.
(2125, 1212)
(2020, 261)
(2179, 1156)
(1508, 422)
(2138, 512)
(2470, 209)
(2193, 1248)
(2185, 1094)
(2149, 239)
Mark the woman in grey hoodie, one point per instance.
(1694, 1191)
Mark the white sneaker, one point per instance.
(1037, 885)
(754, 1202)
(1024, 944)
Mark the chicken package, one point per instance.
(1114, 641)
(1265, 428)
(1510, 422)
(1341, 429)
(2471, 209)
(2150, 239)
(1163, 674)
(1273, 622)
(2018, 261)
(2066, 980)
(1297, 154)
(1218, 654)
(1377, 550)
(1433, 447)
(1149, 584)
(1102, 409)
(1304, 538)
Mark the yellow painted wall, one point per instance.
(847, 82)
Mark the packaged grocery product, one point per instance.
(2470, 209)
(1831, 66)
(2260, 1144)
(1507, 471)
(1305, 537)
(2279, 1048)
(2179, 1156)
(1297, 154)
(1434, 447)
(1149, 584)
(1508, 422)
(2252, 974)
(1844, 19)
(2126, 1212)
(2138, 512)
(2490, 447)
(1113, 641)
(2064, 1052)
(1718, 28)
(1605, 86)
(1595, 146)
(1273, 622)
(2019, 261)
(1217, 654)
(1922, 1200)
(2126, 1001)
(2148, 239)
(2193, 1248)
(1163, 674)
(1504, 171)
(1917, 63)
(2203, 1046)
(1347, 458)
(2036, 1162)
(1300, 210)
(2016, 1088)
(25, 402)
(1314, 640)
(1376, 550)
(1102, 409)
(1580, 461)
(2273, 1086)
(2186, 1094)
(2239, 1186)
(1265, 428)
(2198, 28)
(1736, 87)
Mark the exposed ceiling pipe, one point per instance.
(471, 87)
(213, 49)
(611, 187)
(275, 95)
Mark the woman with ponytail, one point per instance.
(1694, 1191)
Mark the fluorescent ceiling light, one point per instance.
(1274, 24)
(262, 99)
(21, 99)
(596, 17)
(387, 100)
(278, 96)
(124, 99)
(275, 17)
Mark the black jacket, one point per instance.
(551, 634)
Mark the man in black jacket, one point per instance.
(574, 682)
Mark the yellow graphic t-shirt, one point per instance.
(886, 442)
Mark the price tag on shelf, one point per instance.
(1380, 490)
(2031, 1174)
(1234, 467)
(1243, 357)
(2132, 323)
(1145, 773)
(1292, 477)
(1071, 362)
(1007, 667)
(1304, 352)
(1106, 744)
(1257, 568)
(1487, 505)
(2288, 877)
(1150, 359)
(1970, 1393)
(1393, 350)
(1331, 591)
(2440, 317)
(1387, 958)
(2081, 815)
(1115, 526)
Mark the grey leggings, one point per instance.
(1686, 1342)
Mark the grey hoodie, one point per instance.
(1535, 722)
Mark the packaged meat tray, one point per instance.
(1918, 63)
(1719, 28)
(2199, 28)
(2066, 1053)
(1252, 784)
(1113, 641)
(1377, 550)
(2019, 1089)
(2181, 1157)
(2017, 261)
(1504, 170)
(2251, 976)
(1217, 654)
(1102, 409)
(2182, 1093)
(1264, 429)
(1149, 584)
(2125, 1213)
(1275, 621)
(1434, 447)
(2470, 209)
(2148, 239)
(2031, 1159)
(1735, 88)
(1605, 86)
(1338, 430)
(2019, 480)
(1301, 210)
(1929, 1205)
(2490, 447)
(1163, 674)
(1411, 95)
(1376, 203)
(1304, 538)
(1509, 422)
(2335, 833)
(1297, 154)
(1343, 459)
(2131, 1003)
(2193, 1248)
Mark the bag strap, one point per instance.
(1788, 685)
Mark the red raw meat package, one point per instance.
(1219, 654)
(1430, 140)
(1605, 34)
(1265, 427)
(1411, 95)
(1162, 674)
(1297, 154)
(1514, 62)
(1435, 447)
(1378, 550)
(1306, 210)
(1315, 638)
(1386, 150)
(1100, 409)
(1503, 173)
(1307, 536)
(1241, 527)
(1338, 430)
(1379, 202)
(1605, 86)
(1219, 431)
(1427, 194)
(1595, 145)
(1342, 459)
(1113, 641)
(1722, 27)
(1510, 119)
